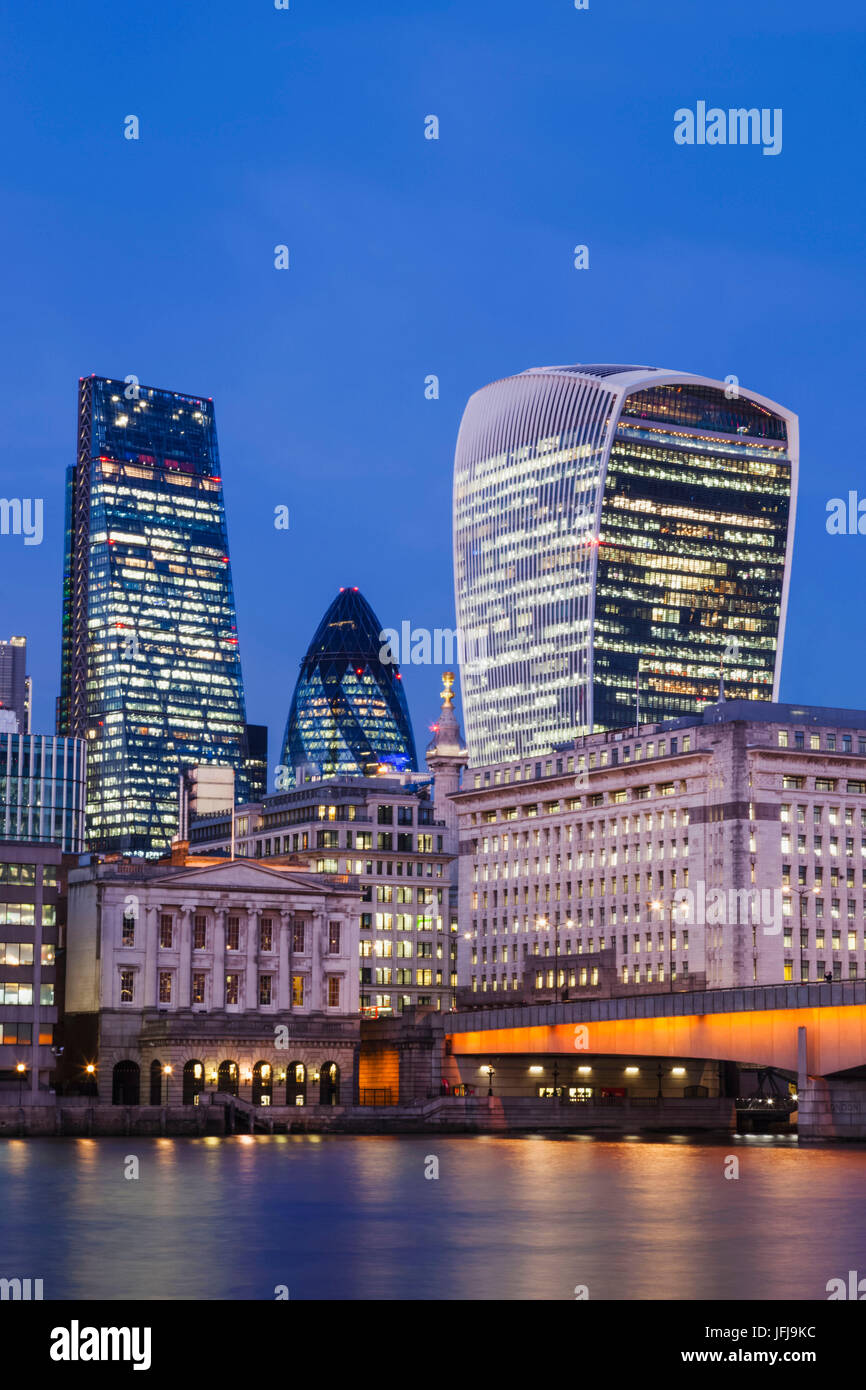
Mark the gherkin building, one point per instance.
(348, 715)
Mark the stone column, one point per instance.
(284, 991)
(172, 1085)
(291, 959)
(151, 958)
(318, 957)
(251, 990)
(218, 982)
(184, 970)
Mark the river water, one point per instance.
(347, 1217)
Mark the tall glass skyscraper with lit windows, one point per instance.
(622, 537)
(348, 716)
(151, 674)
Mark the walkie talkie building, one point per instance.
(151, 676)
(622, 535)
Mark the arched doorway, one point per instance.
(193, 1081)
(263, 1083)
(296, 1084)
(125, 1084)
(156, 1083)
(227, 1077)
(329, 1084)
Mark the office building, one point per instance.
(621, 535)
(726, 848)
(15, 693)
(203, 974)
(392, 836)
(42, 790)
(31, 909)
(151, 674)
(348, 715)
(256, 761)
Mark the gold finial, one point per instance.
(447, 691)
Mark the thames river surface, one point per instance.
(345, 1217)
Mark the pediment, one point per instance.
(243, 874)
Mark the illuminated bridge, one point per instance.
(679, 1046)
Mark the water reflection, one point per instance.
(355, 1217)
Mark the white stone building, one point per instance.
(726, 848)
(212, 974)
(390, 834)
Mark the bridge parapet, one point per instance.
(673, 1004)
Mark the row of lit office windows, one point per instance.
(22, 995)
(21, 953)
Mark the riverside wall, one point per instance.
(455, 1115)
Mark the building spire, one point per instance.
(447, 742)
(446, 757)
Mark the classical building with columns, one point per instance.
(212, 974)
(397, 835)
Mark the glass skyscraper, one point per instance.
(348, 715)
(622, 537)
(151, 675)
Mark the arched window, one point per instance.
(193, 1081)
(296, 1084)
(125, 1084)
(156, 1083)
(227, 1077)
(263, 1083)
(329, 1084)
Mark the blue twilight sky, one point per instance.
(409, 257)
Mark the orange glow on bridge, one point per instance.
(835, 1038)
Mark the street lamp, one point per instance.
(803, 894)
(542, 924)
(657, 906)
(21, 1069)
(490, 1075)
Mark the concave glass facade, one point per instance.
(616, 527)
(151, 673)
(42, 790)
(348, 715)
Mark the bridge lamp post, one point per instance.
(21, 1070)
(542, 924)
(803, 894)
(657, 906)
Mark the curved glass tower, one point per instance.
(348, 715)
(620, 534)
